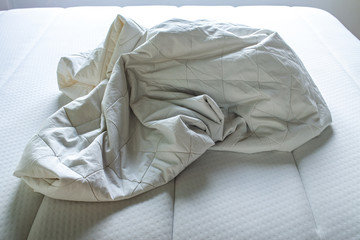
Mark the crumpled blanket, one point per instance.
(148, 102)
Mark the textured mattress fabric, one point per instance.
(311, 193)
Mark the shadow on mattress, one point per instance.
(58, 219)
(314, 145)
(219, 168)
(32, 214)
(22, 211)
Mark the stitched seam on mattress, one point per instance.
(306, 195)
(329, 49)
(32, 224)
(30, 50)
(344, 69)
(173, 216)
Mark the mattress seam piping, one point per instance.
(306, 195)
(173, 209)
(11, 74)
(35, 216)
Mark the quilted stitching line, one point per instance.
(222, 68)
(201, 80)
(52, 186)
(115, 159)
(169, 152)
(157, 146)
(120, 148)
(250, 123)
(290, 102)
(276, 56)
(75, 127)
(56, 155)
(82, 177)
(102, 168)
(92, 190)
(122, 178)
(115, 101)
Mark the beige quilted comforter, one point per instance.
(148, 102)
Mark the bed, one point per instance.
(312, 192)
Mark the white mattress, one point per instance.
(311, 193)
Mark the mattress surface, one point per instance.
(311, 193)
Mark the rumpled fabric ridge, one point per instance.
(149, 102)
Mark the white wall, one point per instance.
(347, 11)
(4, 4)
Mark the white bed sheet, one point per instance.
(313, 193)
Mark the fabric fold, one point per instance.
(79, 73)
